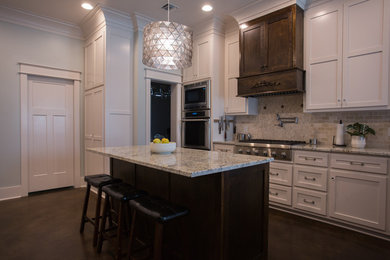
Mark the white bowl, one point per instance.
(163, 148)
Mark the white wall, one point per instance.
(22, 44)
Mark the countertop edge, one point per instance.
(182, 173)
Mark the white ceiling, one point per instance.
(189, 12)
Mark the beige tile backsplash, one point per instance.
(319, 125)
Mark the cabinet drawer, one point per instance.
(313, 201)
(280, 173)
(359, 163)
(311, 158)
(280, 194)
(223, 148)
(310, 177)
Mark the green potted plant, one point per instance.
(358, 134)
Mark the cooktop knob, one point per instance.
(273, 154)
(248, 151)
(265, 153)
(239, 150)
(284, 155)
(256, 152)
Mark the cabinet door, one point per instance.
(94, 132)
(99, 59)
(358, 197)
(279, 37)
(253, 49)
(89, 65)
(323, 40)
(202, 63)
(365, 68)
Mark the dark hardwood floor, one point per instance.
(46, 226)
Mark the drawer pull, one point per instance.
(357, 163)
(273, 194)
(310, 179)
(309, 201)
(310, 158)
(273, 174)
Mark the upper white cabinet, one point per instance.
(347, 55)
(201, 58)
(235, 105)
(94, 60)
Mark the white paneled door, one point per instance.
(50, 133)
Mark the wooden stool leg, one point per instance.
(132, 227)
(119, 231)
(85, 207)
(158, 239)
(97, 217)
(103, 224)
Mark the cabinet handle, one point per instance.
(332, 178)
(357, 163)
(310, 179)
(309, 201)
(273, 194)
(344, 100)
(310, 158)
(338, 100)
(274, 174)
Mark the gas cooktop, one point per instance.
(278, 149)
(269, 141)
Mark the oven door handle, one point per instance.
(195, 120)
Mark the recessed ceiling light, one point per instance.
(243, 26)
(87, 6)
(207, 8)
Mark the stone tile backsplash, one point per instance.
(320, 125)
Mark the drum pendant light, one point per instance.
(167, 45)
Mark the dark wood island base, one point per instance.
(228, 210)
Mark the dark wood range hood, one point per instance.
(271, 54)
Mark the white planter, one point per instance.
(358, 141)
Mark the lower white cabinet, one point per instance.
(309, 200)
(315, 178)
(280, 194)
(280, 173)
(358, 197)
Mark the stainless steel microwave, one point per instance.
(196, 96)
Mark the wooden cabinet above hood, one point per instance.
(271, 54)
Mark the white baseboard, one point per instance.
(12, 192)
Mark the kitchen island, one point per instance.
(227, 195)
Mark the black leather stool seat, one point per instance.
(157, 208)
(100, 180)
(123, 191)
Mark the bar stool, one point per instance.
(161, 211)
(122, 193)
(97, 181)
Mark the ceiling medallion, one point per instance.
(167, 45)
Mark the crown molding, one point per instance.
(210, 26)
(46, 24)
(262, 7)
(140, 21)
(102, 16)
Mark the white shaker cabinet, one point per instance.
(94, 60)
(358, 197)
(235, 105)
(108, 85)
(347, 55)
(201, 59)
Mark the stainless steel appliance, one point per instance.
(278, 149)
(195, 129)
(196, 96)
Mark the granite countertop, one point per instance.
(183, 161)
(334, 149)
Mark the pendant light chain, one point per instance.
(169, 7)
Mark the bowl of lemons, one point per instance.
(162, 146)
